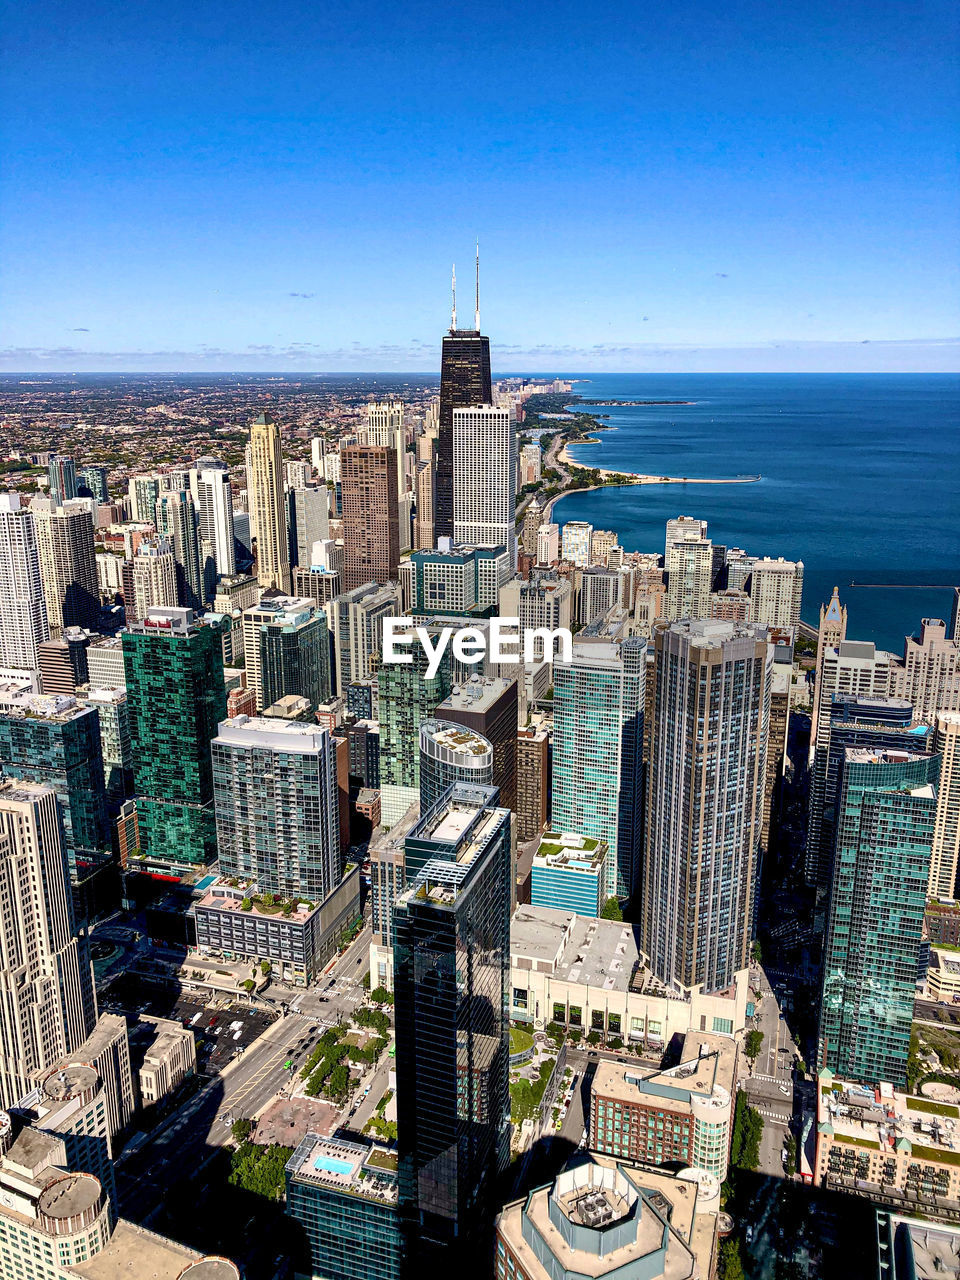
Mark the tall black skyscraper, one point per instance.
(464, 381)
(451, 947)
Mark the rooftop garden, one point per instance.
(934, 1108)
(520, 1040)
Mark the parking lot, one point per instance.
(223, 1029)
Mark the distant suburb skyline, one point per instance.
(283, 187)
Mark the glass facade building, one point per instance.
(344, 1197)
(275, 795)
(597, 752)
(882, 855)
(450, 753)
(51, 739)
(704, 811)
(407, 697)
(295, 659)
(173, 666)
(464, 380)
(451, 947)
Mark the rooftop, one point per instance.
(224, 896)
(358, 1169)
(58, 708)
(455, 738)
(880, 1117)
(567, 849)
(581, 949)
(707, 1069)
(479, 693)
(133, 1251)
(272, 732)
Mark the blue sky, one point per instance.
(655, 186)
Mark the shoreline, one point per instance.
(637, 477)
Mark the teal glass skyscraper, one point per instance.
(451, 940)
(597, 750)
(407, 698)
(881, 866)
(175, 691)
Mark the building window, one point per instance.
(723, 1025)
(576, 1015)
(519, 998)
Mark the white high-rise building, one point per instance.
(689, 565)
(548, 544)
(297, 474)
(852, 666)
(776, 590)
(23, 612)
(485, 477)
(928, 675)
(267, 506)
(683, 527)
(153, 579)
(946, 829)
(142, 494)
(68, 564)
(355, 619)
(384, 426)
(46, 984)
(213, 498)
(577, 546)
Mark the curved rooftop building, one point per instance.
(451, 753)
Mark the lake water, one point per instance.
(860, 479)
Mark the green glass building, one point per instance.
(881, 862)
(407, 698)
(176, 697)
(597, 752)
(343, 1195)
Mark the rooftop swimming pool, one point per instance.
(328, 1164)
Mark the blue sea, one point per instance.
(860, 479)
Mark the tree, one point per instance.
(747, 1131)
(756, 954)
(338, 1085)
(752, 1044)
(730, 1264)
(380, 995)
(241, 1129)
(265, 967)
(611, 910)
(246, 904)
(259, 1169)
(593, 1037)
(248, 984)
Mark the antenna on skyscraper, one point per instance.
(453, 319)
(476, 314)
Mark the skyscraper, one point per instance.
(832, 630)
(384, 427)
(45, 979)
(485, 477)
(776, 592)
(149, 580)
(450, 753)
(356, 619)
(176, 698)
(407, 697)
(142, 495)
(275, 792)
(177, 523)
(451, 938)
(371, 531)
(881, 870)
(855, 721)
(489, 706)
(424, 538)
(945, 862)
(597, 750)
(577, 543)
(309, 522)
(68, 565)
(213, 498)
(704, 812)
(62, 472)
(689, 565)
(23, 611)
(92, 482)
(54, 741)
(286, 650)
(929, 672)
(464, 381)
(268, 510)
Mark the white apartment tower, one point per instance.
(23, 612)
(267, 504)
(689, 565)
(153, 573)
(68, 565)
(776, 590)
(485, 477)
(928, 675)
(213, 498)
(577, 543)
(47, 1005)
(946, 829)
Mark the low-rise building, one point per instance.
(58, 1224)
(234, 920)
(943, 975)
(604, 1217)
(893, 1148)
(589, 973)
(568, 873)
(169, 1056)
(344, 1197)
(682, 1114)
